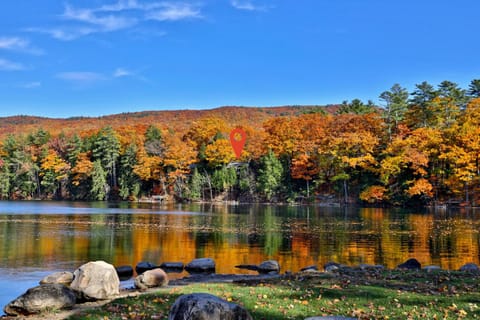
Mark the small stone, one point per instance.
(201, 265)
(470, 267)
(431, 268)
(331, 266)
(151, 278)
(309, 268)
(410, 264)
(143, 266)
(269, 266)
(124, 272)
(62, 277)
(172, 266)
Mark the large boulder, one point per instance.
(151, 278)
(410, 264)
(63, 277)
(96, 280)
(204, 306)
(269, 266)
(42, 298)
(201, 265)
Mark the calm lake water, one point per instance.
(38, 238)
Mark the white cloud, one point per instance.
(18, 44)
(13, 43)
(81, 77)
(246, 5)
(105, 23)
(175, 12)
(7, 65)
(123, 5)
(120, 72)
(65, 34)
(124, 14)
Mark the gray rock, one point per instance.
(143, 266)
(96, 280)
(62, 277)
(331, 266)
(309, 268)
(431, 268)
(201, 265)
(251, 267)
(172, 266)
(124, 272)
(204, 306)
(470, 267)
(269, 266)
(151, 278)
(410, 264)
(42, 298)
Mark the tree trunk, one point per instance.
(345, 191)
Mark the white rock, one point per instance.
(96, 280)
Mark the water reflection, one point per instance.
(49, 235)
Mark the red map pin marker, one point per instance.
(237, 139)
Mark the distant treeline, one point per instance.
(417, 148)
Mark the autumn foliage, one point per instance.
(417, 149)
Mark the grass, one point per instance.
(361, 294)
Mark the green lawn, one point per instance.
(365, 295)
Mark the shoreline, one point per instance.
(349, 282)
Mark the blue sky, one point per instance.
(98, 57)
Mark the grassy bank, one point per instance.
(371, 294)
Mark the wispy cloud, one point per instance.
(104, 23)
(81, 77)
(121, 72)
(122, 15)
(64, 33)
(247, 5)
(18, 44)
(175, 12)
(7, 65)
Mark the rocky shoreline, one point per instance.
(96, 283)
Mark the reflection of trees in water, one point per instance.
(296, 236)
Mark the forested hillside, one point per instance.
(419, 148)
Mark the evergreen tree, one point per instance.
(356, 107)
(100, 187)
(420, 113)
(128, 181)
(474, 88)
(4, 180)
(270, 175)
(74, 147)
(396, 104)
(196, 185)
(106, 149)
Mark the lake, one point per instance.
(38, 238)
